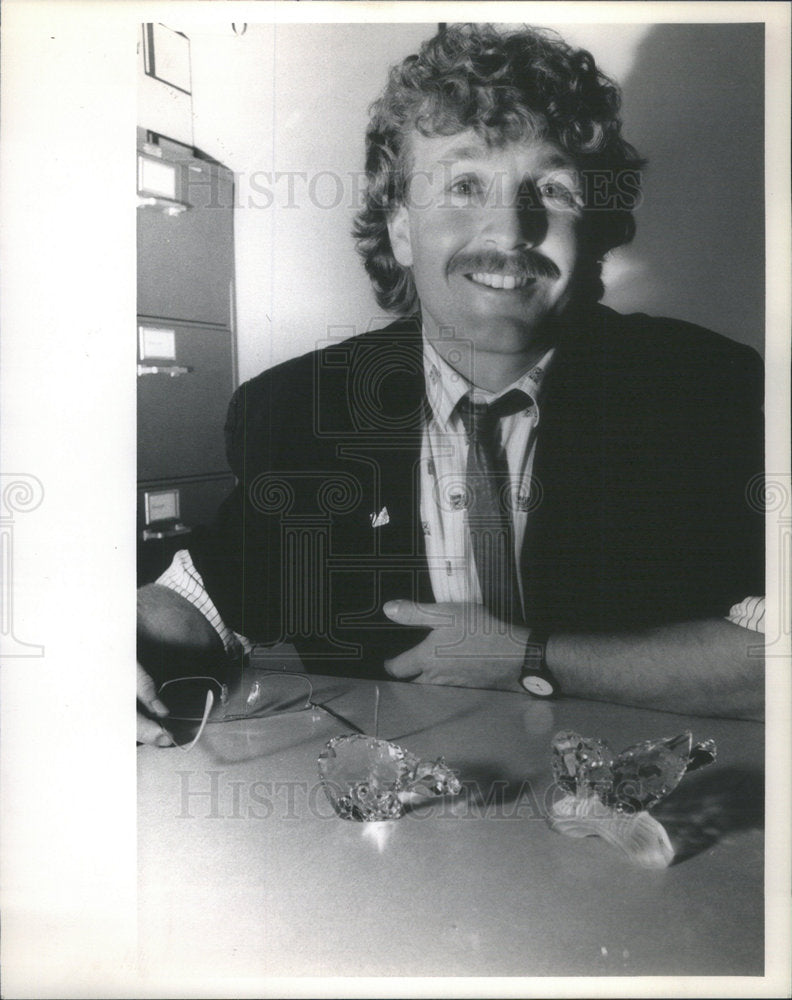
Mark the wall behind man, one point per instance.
(286, 108)
(693, 104)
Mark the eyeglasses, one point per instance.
(195, 702)
(203, 700)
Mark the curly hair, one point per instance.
(506, 86)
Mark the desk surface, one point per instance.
(244, 870)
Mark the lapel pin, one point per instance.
(377, 520)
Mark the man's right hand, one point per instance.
(170, 631)
(148, 729)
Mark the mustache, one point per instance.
(518, 264)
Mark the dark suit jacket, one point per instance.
(650, 434)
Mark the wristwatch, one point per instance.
(536, 677)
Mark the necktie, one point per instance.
(489, 494)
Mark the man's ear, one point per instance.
(399, 232)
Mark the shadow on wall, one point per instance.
(694, 105)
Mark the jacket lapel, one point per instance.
(563, 533)
(386, 398)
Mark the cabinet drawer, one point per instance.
(199, 500)
(182, 402)
(185, 261)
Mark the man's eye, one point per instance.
(559, 194)
(465, 186)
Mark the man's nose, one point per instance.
(517, 219)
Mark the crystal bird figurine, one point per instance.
(609, 795)
(368, 779)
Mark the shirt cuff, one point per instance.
(749, 613)
(182, 577)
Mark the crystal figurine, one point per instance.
(369, 780)
(608, 795)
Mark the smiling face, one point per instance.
(493, 237)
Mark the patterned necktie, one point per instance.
(489, 502)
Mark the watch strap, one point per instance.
(536, 677)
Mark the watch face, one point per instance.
(537, 685)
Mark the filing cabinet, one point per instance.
(186, 350)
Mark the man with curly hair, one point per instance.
(511, 486)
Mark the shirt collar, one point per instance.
(445, 386)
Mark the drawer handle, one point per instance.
(173, 370)
(149, 534)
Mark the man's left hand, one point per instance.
(467, 646)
